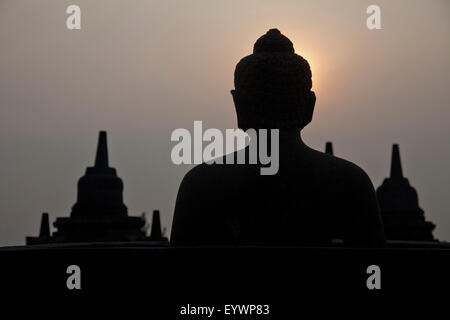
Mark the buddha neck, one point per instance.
(288, 140)
(290, 136)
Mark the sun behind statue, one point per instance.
(314, 198)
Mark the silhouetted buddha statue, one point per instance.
(313, 199)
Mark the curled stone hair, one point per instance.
(273, 85)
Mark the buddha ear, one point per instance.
(235, 96)
(240, 111)
(310, 102)
(233, 93)
(235, 99)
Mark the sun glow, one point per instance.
(314, 61)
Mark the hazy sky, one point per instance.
(140, 69)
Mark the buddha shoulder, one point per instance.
(339, 170)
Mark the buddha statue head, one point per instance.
(273, 86)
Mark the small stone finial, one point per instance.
(101, 158)
(329, 148)
(396, 165)
(156, 233)
(45, 226)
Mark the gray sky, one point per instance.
(140, 69)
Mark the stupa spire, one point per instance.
(329, 148)
(45, 226)
(156, 233)
(101, 158)
(396, 165)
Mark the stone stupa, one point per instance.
(99, 215)
(403, 219)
